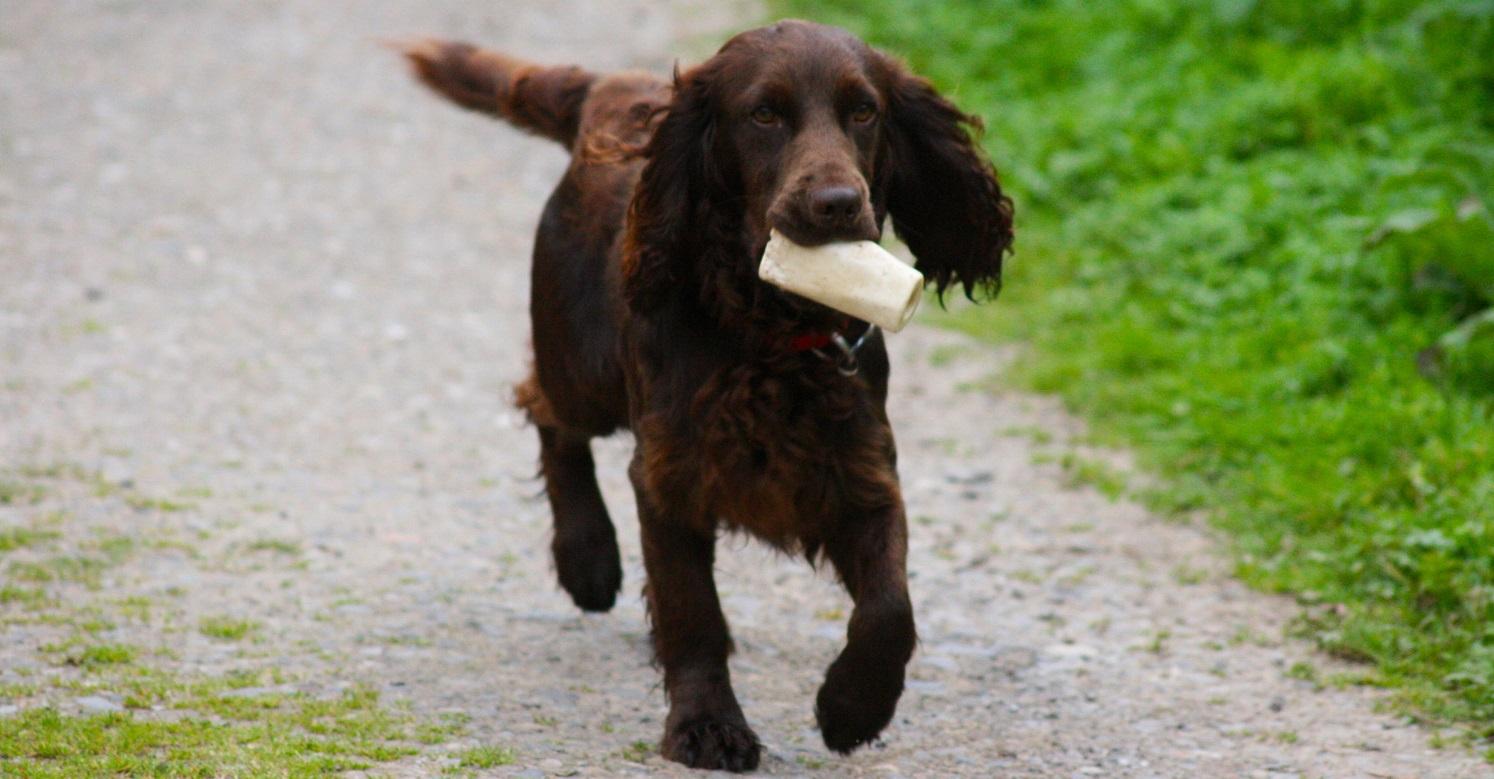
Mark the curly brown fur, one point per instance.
(648, 315)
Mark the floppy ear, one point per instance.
(670, 203)
(942, 192)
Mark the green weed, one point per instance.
(147, 503)
(485, 757)
(227, 628)
(1188, 575)
(637, 752)
(1082, 471)
(276, 545)
(64, 568)
(74, 652)
(14, 493)
(27, 597)
(16, 538)
(105, 654)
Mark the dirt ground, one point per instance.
(257, 283)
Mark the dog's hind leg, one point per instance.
(585, 545)
(587, 561)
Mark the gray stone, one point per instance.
(95, 704)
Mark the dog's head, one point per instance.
(805, 129)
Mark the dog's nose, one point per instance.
(835, 206)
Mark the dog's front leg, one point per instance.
(705, 727)
(862, 686)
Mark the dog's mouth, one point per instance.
(806, 234)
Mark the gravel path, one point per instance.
(253, 277)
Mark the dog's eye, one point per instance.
(765, 116)
(863, 113)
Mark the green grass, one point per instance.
(63, 568)
(247, 723)
(223, 735)
(104, 654)
(17, 538)
(637, 752)
(227, 628)
(276, 545)
(147, 503)
(1255, 244)
(1081, 471)
(14, 493)
(77, 652)
(485, 757)
(27, 597)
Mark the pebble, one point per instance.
(97, 704)
(940, 662)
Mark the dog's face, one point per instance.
(800, 113)
(805, 129)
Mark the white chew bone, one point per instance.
(857, 278)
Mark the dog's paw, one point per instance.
(590, 570)
(712, 743)
(852, 709)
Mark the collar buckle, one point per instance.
(845, 362)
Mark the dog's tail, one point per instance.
(538, 99)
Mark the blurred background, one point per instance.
(1255, 244)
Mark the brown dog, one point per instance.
(648, 315)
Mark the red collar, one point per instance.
(804, 342)
(809, 340)
(845, 361)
